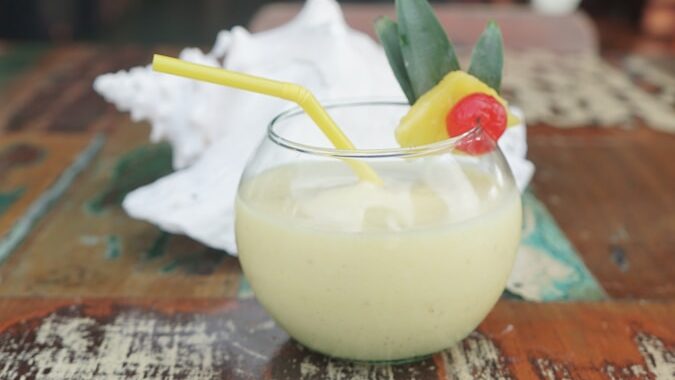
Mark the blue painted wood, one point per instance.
(245, 291)
(7, 198)
(41, 206)
(555, 265)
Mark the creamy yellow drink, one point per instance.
(370, 272)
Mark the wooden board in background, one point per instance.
(15, 58)
(57, 94)
(612, 192)
(572, 33)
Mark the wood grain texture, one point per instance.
(88, 246)
(16, 58)
(60, 87)
(547, 267)
(32, 161)
(612, 192)
(228, 339)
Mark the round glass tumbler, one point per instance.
(375, 272)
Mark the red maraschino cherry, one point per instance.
(477, 110)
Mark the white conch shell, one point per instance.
(213, 130)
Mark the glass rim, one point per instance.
(448, 144)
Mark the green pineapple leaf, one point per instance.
(387, 32)
(427, 53)
(487, 59)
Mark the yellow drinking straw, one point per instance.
(289, 91)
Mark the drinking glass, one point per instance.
(375, 272)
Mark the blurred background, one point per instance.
(196, 22)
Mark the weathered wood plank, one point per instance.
(154, 339)
(33, 86)
(16, 58)
(612, 191)
(30, 164)
(547, 267)
(88, 246)
(60, 86)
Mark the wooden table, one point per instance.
(90, 294)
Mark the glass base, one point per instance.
(414, 359)
(410, 360)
